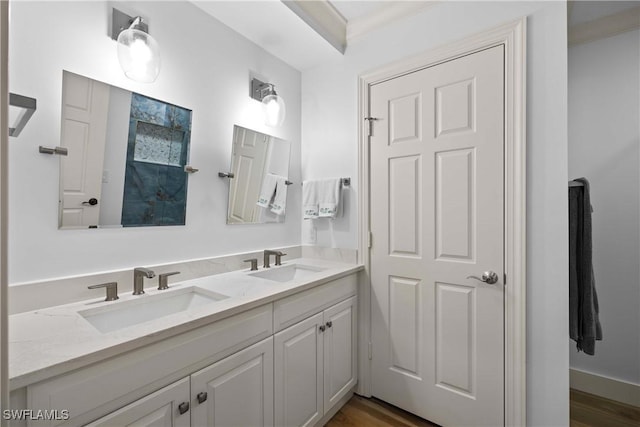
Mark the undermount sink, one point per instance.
(288, 272)
(148, 307)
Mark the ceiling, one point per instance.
(290, 31)
(305, 34)
(587, 11)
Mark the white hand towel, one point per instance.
(269, 183)
(279, 203)
(310, 199)
(330, 193)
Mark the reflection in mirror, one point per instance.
(127, 153)
(260, 167)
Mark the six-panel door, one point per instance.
(437, 218)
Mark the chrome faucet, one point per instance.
(138, 279)
(267, 255)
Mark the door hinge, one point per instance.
(505, 279)
(371, 120)
(370, 240)
(370, 350)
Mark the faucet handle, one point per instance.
(254, 263)
(163, 281)
(279, 256)
(112, 290)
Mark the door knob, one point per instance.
(92, 201)
(489, 277)
(202, 397)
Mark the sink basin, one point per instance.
(148, 307)
(288, 272)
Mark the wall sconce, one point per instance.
(273, 105)
(138, 52)
(21, 108)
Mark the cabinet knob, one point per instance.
(321, 327)
(202, 396)
(329, 324)
(183, 407)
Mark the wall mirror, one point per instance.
(126, 157)
(260, 167)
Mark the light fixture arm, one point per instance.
(138, 24)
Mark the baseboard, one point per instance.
(609, 388)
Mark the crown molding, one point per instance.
(607, 26)
(324, 18)
(358, 27)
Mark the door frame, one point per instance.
(513, 36)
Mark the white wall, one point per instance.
(330, 148)
(604, 138)
(205, 67)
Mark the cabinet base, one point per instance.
(325, 419)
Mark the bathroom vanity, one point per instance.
(276, 346)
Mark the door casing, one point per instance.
(513, 36)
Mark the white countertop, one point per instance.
(52, 341)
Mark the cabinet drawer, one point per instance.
(101, 388)
(293, 309)
(159, 408)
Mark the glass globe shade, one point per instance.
(139, 55)
(274, 110)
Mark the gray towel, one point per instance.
(584, 324)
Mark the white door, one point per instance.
(340, 369)
(167, 407)
(437, 218)
(236, 391)
(298, 373)
(85, 106)
(249, 152)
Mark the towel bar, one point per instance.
(346, 182)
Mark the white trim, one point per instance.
(607, 26)
(358, 27)
(324, 18)
(513, 37)
(4, 148)
(609, 388)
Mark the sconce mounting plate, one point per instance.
(260, 89)
(120, 21)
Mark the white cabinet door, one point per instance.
(167, 407)
(340, 363)
(298, 373)
(236, 391)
